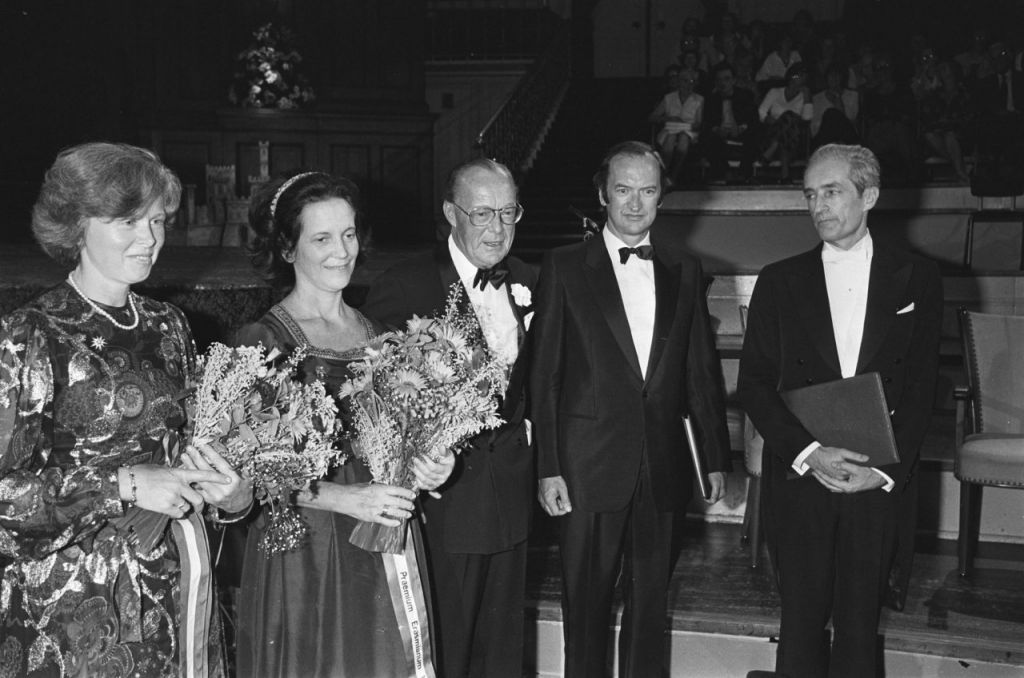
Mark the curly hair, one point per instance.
(97, 180)
(275, 218)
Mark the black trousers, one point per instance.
(832, 554)
(595, 547)
(478, 610)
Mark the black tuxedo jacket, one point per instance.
(595, 415)
(744, 109)
(487, 502)
(790, 343)
(991, 95)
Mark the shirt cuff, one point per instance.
(800, 463)
(889, 482)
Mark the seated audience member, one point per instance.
(679, 113)
(757, 39)
(975, 60)
(946, 115)
(723, 44)
(889, 111)
(743, 65)
(999, 97)
(691, 60)
(690, 53)
(924, 80)
(690, 30)
(784, 114)
(773, 71)
(730, 115)
(834, 117)
(818, 69)
(805, 37)
(862, 73)
(671, 78)
(1001, 89)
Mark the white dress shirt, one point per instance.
(636, 286)
(492, 307)
(847, 273)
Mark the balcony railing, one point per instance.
(515, 132)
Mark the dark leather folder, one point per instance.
(849, 413)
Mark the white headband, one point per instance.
(284, 187)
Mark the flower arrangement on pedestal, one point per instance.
(268, 74)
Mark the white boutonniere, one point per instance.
(521, 295)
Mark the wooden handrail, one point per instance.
(515, 131)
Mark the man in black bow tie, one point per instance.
(476, 531)
(623, 351)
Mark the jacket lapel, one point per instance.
(808, 291)
(449, 276)
(518, 311)
(887, 287)
(666, 293)
(601, 279)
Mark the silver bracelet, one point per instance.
(215, 514)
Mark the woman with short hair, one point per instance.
(90, 380)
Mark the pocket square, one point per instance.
(906, 309)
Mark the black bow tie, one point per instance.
(495, 275)
(645, 252)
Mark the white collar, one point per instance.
(862, 250)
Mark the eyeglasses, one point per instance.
(484, 216)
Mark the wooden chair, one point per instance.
(990, 418)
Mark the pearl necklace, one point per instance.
(96, 307)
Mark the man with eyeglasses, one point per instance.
(476, 531)
(623, 350)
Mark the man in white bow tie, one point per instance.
(850, 306)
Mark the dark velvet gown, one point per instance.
(324, 609)
(80, 397)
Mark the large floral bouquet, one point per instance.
(278, 432)
(424, 391)
(268, 74)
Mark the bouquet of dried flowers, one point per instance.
(272, 428)
(424, 391)
(268, 74)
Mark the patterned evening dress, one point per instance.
(323, 609)
(79, 398)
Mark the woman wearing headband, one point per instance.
(90, 377)
(325, 609)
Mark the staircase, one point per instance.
(595, 114)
